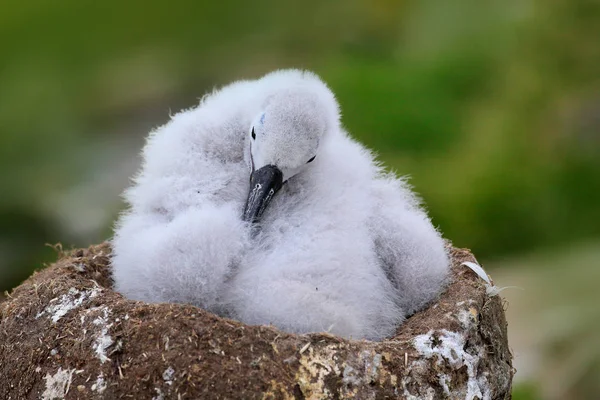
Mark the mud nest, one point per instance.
(64, 333)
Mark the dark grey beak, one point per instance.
(264, 183)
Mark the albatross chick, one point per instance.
(258, 206)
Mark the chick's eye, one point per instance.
(254, 135)
(311, 160)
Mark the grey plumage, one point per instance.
(342, 247)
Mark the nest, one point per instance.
(64, 333)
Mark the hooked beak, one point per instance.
(264, 183)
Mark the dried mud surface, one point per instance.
(65, 334)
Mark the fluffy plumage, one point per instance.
(342, 247)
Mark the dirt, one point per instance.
(64, 333)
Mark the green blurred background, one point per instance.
(492, 107)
